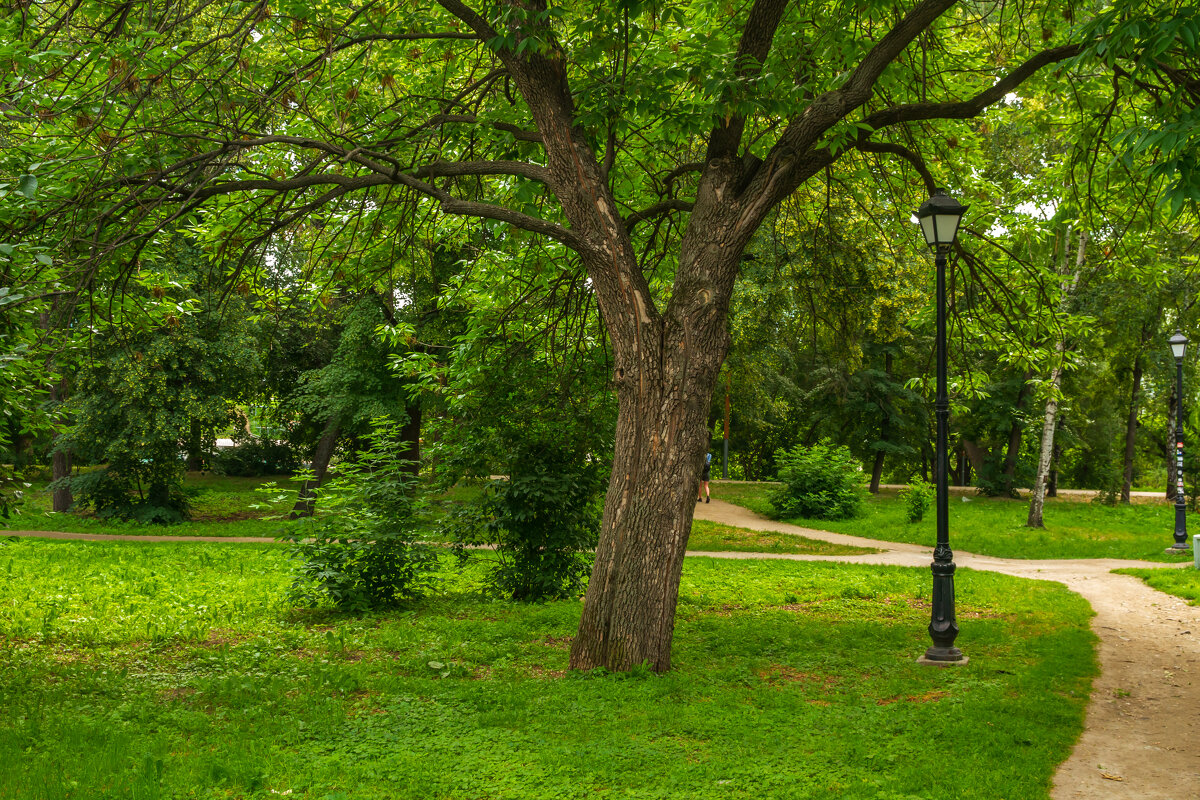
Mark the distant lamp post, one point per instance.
(940, 216)
(1179, 344)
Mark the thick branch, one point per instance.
(965, 109)
(664, 207)
(469, 119)
(755, 43)
(867, 146)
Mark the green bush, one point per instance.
(254, 458)
(821, 482)
(362, 551)
(917, 498)
(151, 496)
(543, 521)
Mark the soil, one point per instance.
(1141, 739)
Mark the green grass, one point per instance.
(996, 526)
(221, 506)
(135, 670)
(715, 537)
(1184, 583)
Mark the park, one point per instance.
(647, 398)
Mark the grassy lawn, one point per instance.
(714, 537)
(132, 670)
(1183, 583)
(996, 527)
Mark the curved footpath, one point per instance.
(1141, 739)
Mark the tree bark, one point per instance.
(1172, 411)
(195, 458)
(60, 460)
(1014, 437)
(1056, 453)
(306, 498)
(1049, 423)
(410, 434)
(885, 424)
(1131, 426)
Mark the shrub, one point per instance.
(151, 496)
(254, 458)
(362, 552)
(543, 521)
(822, 482)
(917, 498)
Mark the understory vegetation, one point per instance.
(141, 670)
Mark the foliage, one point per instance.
(150, 393)
(917, 497)
(363, 551)
(254, 457)
(823, 481)
(107, 492)
(543, 519)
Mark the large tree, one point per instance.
(649, 139)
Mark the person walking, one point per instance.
(702, 491)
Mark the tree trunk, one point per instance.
(306, 497)
(1036, 504)
(666, 370)
(1056, 453)
(1172, 411)
(885, 424)
(1050, 421)
(876, 472)
(1131, 425)
(195, 457)
(1014, 437)
(410, 434)
(60, 459)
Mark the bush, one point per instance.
(362, 552)
(543, 520)
(254, 458)
(821, 482)
(917, 498)
(113, 494)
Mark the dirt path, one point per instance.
(1142, 735)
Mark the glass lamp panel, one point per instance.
(927, 228)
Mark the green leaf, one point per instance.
(28, 185)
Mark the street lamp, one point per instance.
(940, 216)
(1178, 347)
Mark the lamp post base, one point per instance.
(1178, 549)
(943, 657)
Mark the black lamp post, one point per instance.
(939, 217)
(1178, 347)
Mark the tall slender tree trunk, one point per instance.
(60, 460)
(1131, 426)
(306, 497)
(1050, 418)
(195, 457)
(1049, 423)
(1052, 479)
(410, 434)
(885, 424)
(1014, 437)
(1172, 412)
